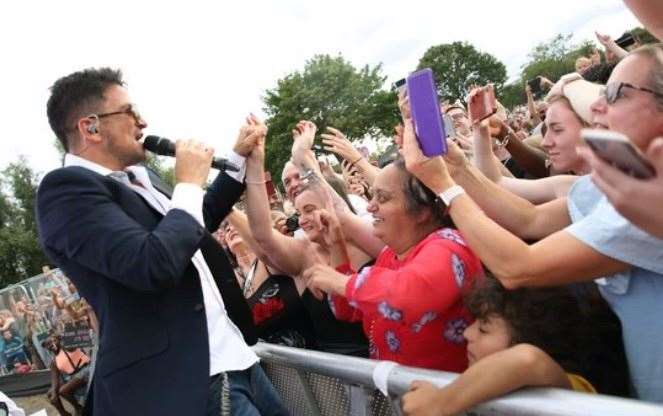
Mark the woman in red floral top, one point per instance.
(410, 300)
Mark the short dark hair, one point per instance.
(548, 318)
(419, 198)
(75, 93)
(599, 73)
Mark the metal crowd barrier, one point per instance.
(322, 384)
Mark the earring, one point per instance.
(92, 129)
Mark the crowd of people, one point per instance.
(566, 279)
(46, 320)
(518, 258)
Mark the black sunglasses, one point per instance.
(613, 91)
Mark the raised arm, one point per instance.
(557, 259)
(611, 46)
(336, 142)
(484, 159)
(536, 191)
(360, 233)
(284, 252)
(527, 157)
(531, 106)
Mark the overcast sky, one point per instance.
(196, 68)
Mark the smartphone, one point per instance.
(625, 40)
(400, 86)
(426, 116)
(292, 223)
(482, 104)
(616, 149)
(535, 85)
(449, 129)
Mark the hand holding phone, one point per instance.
(482, 103)
(616, 149)
(426, 114)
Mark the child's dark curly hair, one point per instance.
(548, 318)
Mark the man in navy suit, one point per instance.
(174, 325)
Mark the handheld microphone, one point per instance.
(165, 147)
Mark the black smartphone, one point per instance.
(625, 40)
(292, 223)
(535, 85)
(400, 86)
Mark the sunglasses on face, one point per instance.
(130, 111)
(614, 91)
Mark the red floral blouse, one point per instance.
(412, 309)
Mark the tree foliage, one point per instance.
(156, 163)
(20, 254)
(457, 65)
(554, 58)
(329, 91)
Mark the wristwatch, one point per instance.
(450, 194)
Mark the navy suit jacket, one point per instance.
(133, 265)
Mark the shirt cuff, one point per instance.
(240, 162)
(189, 198)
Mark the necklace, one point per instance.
(247, 289)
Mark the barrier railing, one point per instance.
(318, 383)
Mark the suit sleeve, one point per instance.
(79, 220)
(219, 199)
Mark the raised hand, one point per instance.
(431, 171)
(348, 170)
(250, 135)
(330, 226)
(604, 40)
(336, 142)
(304, 134)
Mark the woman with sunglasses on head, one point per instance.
(568, 112)
(580, 237)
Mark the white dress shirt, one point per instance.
(228, 350)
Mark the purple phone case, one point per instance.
(425, 108)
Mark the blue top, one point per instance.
(636, 295)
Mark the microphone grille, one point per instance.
(159, 145)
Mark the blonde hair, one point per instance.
(582, 61)
(653, 52)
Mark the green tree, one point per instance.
(156, 163)
(551, 59)
(20, 254)
(554, 58)
(644, 35)
(457, 65)
(329, 91)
